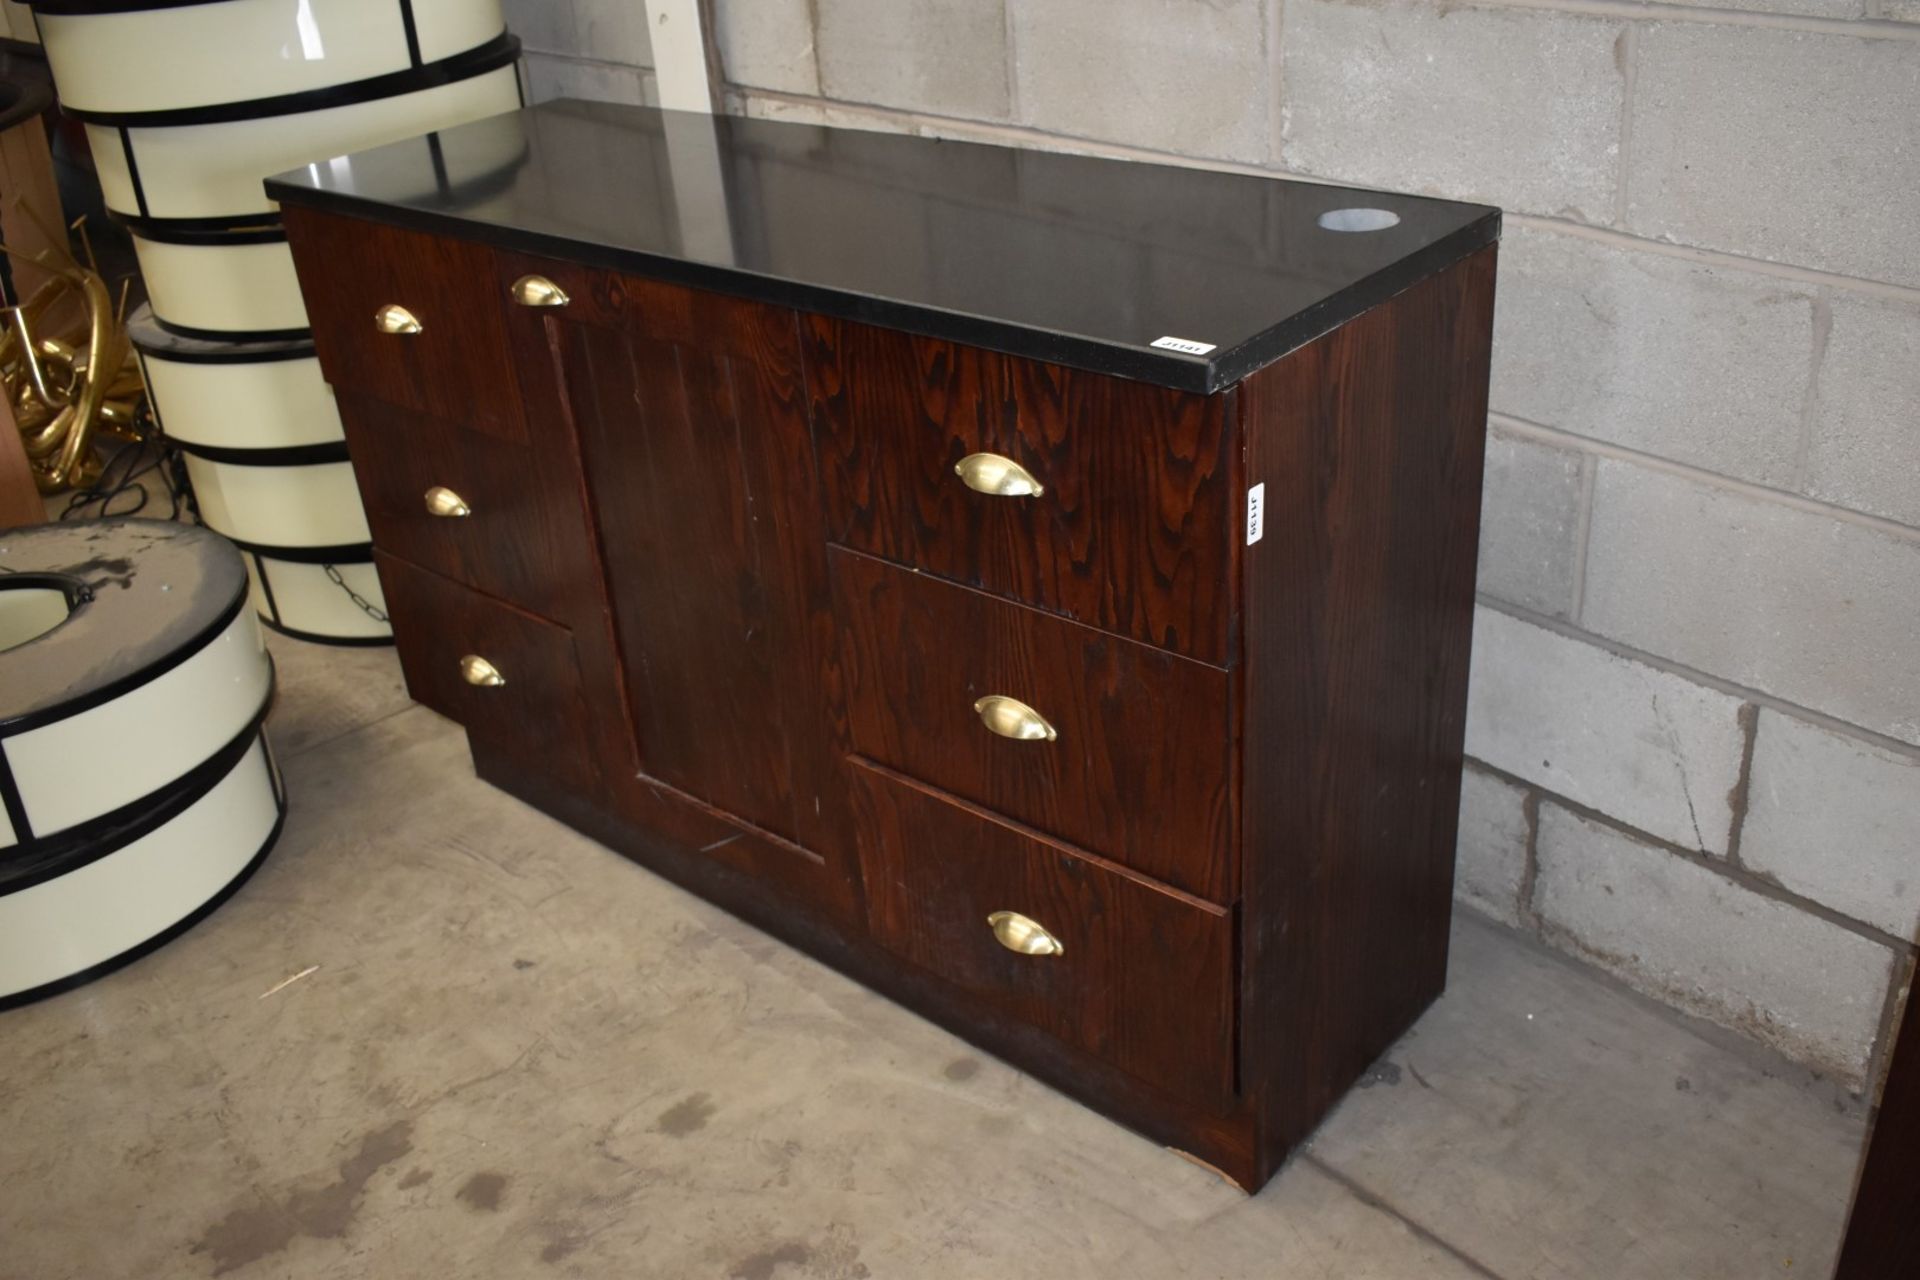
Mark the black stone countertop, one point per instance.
(1074, 259)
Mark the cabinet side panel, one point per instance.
(1883, 1233)
(1359, 618)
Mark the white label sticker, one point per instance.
(1256, 512)
(1185, 345)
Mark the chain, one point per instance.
(367, 606)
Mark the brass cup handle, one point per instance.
(395, 319)
(1001, 477)
(1012, 718)
(1023, 934)
(538, 291)
(476, 670)
(444, 502)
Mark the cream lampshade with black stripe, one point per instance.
(137, 788)
(269, 466)
(188, 105)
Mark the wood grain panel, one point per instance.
(1145, 979)
(1359, 616)
(1140, 770)
(1131, 533)
(823, 877)
(537, 717)
(691, 414)
(456, 367)
(525, 540)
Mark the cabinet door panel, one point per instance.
(692, 421)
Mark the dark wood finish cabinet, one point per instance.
(1094, 690)
(1146, 981)
(1883, 1228)
(1129, 720)
(1133, 534)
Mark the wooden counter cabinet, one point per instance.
(825, 521)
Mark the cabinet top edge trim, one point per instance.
(1076, 260)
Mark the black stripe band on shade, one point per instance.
(133, 679)
(293, 455)
(239, 228)
(133, 172)
(491, 56)
(73, 8)
(49, 857)
(165, 352)
(166, 935)
(236, 335)
(12, 804)
(345, 553)
(315, 637)
(413, 32)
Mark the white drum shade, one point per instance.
(312, 505)
(196, 55)
(301, 600)
(87, 765)
(111, 908)
(136, 786)
(215, 170)
(255, 404)
(246, 288)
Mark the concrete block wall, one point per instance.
(1695, 729)
(594, 49)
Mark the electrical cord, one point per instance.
(126, 473)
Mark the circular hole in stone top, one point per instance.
(1358, 219)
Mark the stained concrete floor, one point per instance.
(522, 1056)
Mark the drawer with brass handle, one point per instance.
(445, 503)
(989, 473)
(396, 319)
(418, 322)
(1090, 953)
(1023, 934)
(1118, 747)
(476, 670)
(1108, 501)
(508, 677)
(1012, 718)
(492, 515)
(537, 291)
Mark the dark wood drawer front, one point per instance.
(535, 714)
(1138, 769)
(1130, 531)
(523, 536)
(1144, 978)
(455, 366)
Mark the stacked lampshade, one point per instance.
(137, 787)
(189, 105)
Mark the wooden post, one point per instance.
(20, 502)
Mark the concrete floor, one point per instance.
(520, 1056)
